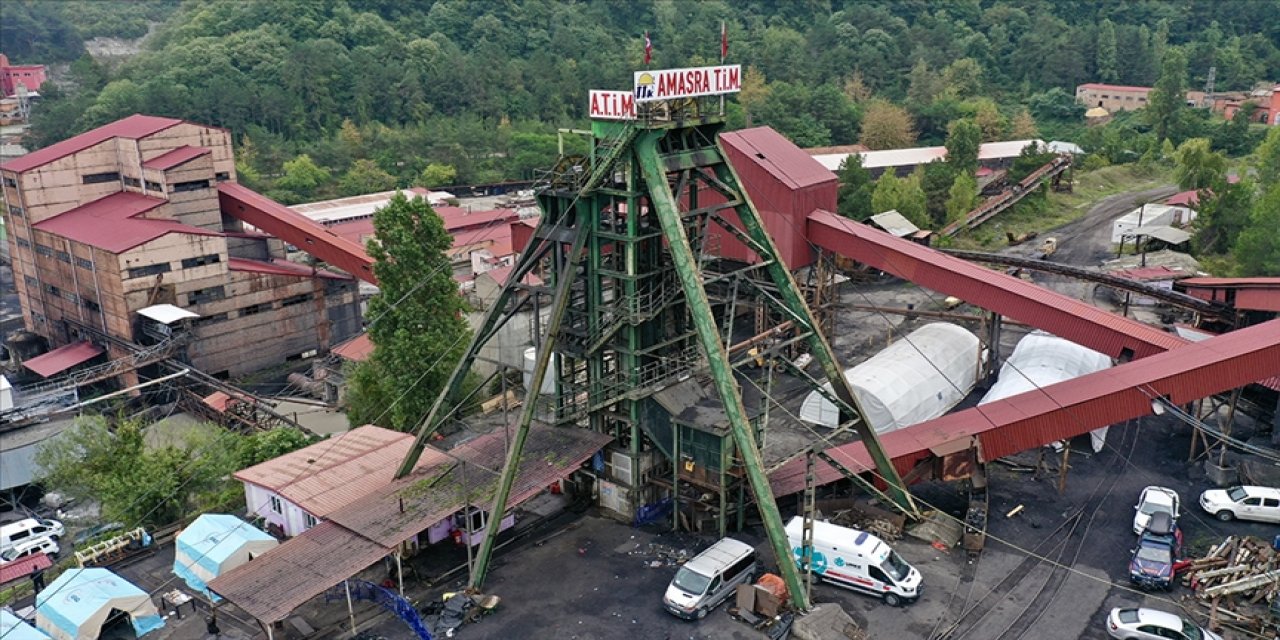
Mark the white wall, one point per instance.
(258, 500)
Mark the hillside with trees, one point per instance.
(335, 98)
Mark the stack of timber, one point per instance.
(1238, 580)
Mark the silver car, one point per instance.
(1153, 624)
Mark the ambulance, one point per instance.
(856, 560)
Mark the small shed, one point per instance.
(14, 628)
(214, 544)
(82, 601)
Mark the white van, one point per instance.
(29, 529)
(710, 578)
(21, 550)
(856, 560)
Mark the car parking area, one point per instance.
(1052, 571)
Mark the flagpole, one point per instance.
(724, 40)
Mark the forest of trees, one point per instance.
(334, 97)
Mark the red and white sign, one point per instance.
(612, 105)
(673, 84)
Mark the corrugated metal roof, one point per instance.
(1232, 283)
(894, 223)
(779, 156)
(134, 127)
(275, 583)
(272, 217)
(1162, 232)
(357, 349)
(22, 567)
(1071, 408)
(399, 510)
(1112, 87)
(282, 268)
(328, 475)
(63, 358)
(1015, 298)
(923, 155)
(166, 161)
(114, 223)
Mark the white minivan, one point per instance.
(710, 578)
(856, 560)
(29, 529)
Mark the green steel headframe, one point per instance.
(624, 241)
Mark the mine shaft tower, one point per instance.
(622, 246)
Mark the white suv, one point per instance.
(1245, 503)
(21, 550)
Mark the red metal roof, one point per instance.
(63, 358)
(272, 217)
(458, 219)
(1113, 87)
(22, 567)
(783, 160)
(166, 161)
(330, 474)
(282, 268)
(1145, 274)
(1070, 408)
(134, 127)
(280, 580)
(1254, 294)
(357, 349)
(501, 274)
(114, 223)
(1273, 283)
(1184, 199)
(1063, 316)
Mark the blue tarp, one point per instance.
(214, 544)
(14, 628)
(78, 603)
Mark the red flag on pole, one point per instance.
(724, 42)
(648, 48)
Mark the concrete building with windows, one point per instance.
(143, 211)
(1112, 97)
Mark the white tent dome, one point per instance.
(915, 379)
(1040, 360)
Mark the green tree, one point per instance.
(987, 116)
(1106, 52)
(963, 78)
(903, 195)
(887, 126)
(1196, 166)
(438, 175)
(1031, 157)
(1257, 251)
(135, 484)
(1266, 159)
(1055, 105)
(1023, 126)
(963, 141)
(855, 189)
(935, 181)
(418, 328)
(1221, 214)
(923, 84)
(962, 197)
(365, 176)
(1167, 99)
(302, 176)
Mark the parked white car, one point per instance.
(1245, 502)
(30, 548)
(1153, 624)
(1154, 500)
(16, 533)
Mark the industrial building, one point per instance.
(1112, 97)
(992, 156)
(146, 211)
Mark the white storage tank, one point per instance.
(1043, 359)
(917, 378)
(548, 381)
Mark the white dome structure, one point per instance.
(1042, 359)
(917, 378)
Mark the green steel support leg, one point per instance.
(566, 275)
(818, 344)
(664, 204)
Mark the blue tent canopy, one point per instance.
(214, 544)
(14, 628)
(78, 603)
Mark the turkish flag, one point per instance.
(648, 48)
(724, 42)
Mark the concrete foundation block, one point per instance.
(1219, 475)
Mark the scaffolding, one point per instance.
(642, 312)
